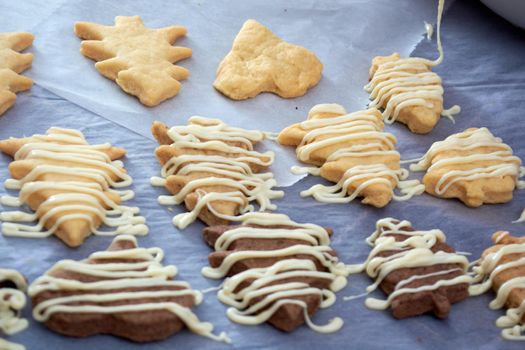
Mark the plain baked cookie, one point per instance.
(11, 64)
(139, 59)
(259, 61)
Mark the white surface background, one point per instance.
(483, 72)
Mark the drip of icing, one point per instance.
(414, 251)
(230, 168)
(354, 127)
(429, 29)
(405, 82)
(12, 301)
(144, 270)
(86, 195)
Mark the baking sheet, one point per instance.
(483, 72)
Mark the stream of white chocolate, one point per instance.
(408, 82)
(231, 171)
(65, 152)
(352, 127)
(487, 268)
(145, 271)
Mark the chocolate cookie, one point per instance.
(417, 269)
(124, 291)
(281, 272)
(12, 300)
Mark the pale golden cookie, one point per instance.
(351, 150)
(259, 61)
(213, 169)
(140, 60)
(72, 187)
(473, 166)
(407, 90)
(11, 64)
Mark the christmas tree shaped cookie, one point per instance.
(140, 60)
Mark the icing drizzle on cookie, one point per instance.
(399, 83)
(141, 269)
(215, 156)
(484, 156)
(413, 251)
(79, 181)
(274, 286)
(12, 301)
(490, 265)
(364, 130)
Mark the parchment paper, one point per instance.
(483, 72)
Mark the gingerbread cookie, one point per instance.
(124, 291)
(212, 168)
(259, 61)
(407, 90)
(12, 300)
(140, 60)
(417, 269)
(474, 166)
(11, 64)
(502, 268)
(280, 271)
(72, 186)
(351, 150)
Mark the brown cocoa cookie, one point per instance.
(124, 291)
(418, 270)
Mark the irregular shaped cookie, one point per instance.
(407, 90)
(72, 186)
(12, 300)
(417, 269)
(280, 271)
(124, 291)
(351, 150)
(474, 166)
(213, 169)
(502, 268)
(11, 64)
(140, 60)
(259, 61)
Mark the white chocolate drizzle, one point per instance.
(85, 185)
(354, 128)
(228, 153)
(408, 82)
(413, 251)
(12, 301)
(274, 285)
(485, 272)
(470, 147)
(143, 270)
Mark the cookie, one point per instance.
(473, 166)
(351, 150)
(213, 169)
(259, 61)
(124, 291)
(418, 270)
(72, 187)
(280, 271)
(502, 268)
(139, 59)
(407, 90)
(12, 300)
(11, 64)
